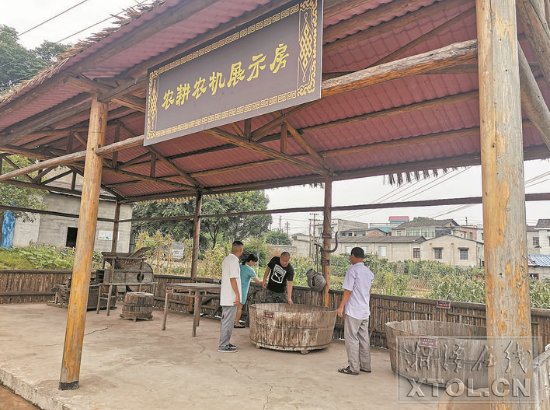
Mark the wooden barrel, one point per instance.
(137, 305)
(433, 352)
(300, 328)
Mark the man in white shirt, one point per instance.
(357, 288)
(230, 296)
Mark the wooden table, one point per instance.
(195, 290)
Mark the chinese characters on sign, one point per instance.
(271, 63)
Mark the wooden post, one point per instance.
(507, 278)
(76, 319)
(116, 224)
(196, 236)
(325, 256)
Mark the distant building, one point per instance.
(453, 250)
(429, 228)
(393, 248)
(62, 231)
(539, 266)
(398, 220)
(543, 229)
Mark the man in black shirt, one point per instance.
(278, 278)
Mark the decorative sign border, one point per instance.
(307, 88)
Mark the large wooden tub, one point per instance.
(300, 328)
(435, 353)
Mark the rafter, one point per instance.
(234, 139)
(394, 24)
(265, 129)
(306, 145)
(174, 167)
(425, 37)
(455, 54)
(17, 168)
(532, 100)
(538, 33)
(85, 84)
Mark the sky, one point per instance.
(463, 182)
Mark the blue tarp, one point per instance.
(7, 229)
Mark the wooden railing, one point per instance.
(34, 286)
(30, 286)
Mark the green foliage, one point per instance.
(213, 230)
(540, 294)
(11, 195)
(211, 266)
(277, 238)
(258, 247)
(339, 265)
(20, 64)
(459, 286)
(38, 256)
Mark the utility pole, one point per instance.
(280, 228)
(287, 224)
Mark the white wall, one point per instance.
(52, 229)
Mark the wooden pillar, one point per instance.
(114, 242)
(76, 321)
(507, 278)
(196, 236)
(325, 256)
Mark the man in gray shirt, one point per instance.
(357, 288)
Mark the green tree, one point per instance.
(422, 218)
(11, 195)
(213, 230)
(17, 63)
(277, 238)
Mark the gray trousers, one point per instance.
(356, 334)
(229, 313)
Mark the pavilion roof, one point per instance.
(417, 112)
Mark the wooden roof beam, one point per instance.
(42, 187)
(140, 177)
(174, 167)
(306, 145)
(538, 33)
(85, 84)
(102, 186)
(60, 112)
(55, 114)
(402, 142)
(270, 126)
(532, 100)
(383, 11)
(437, 102)
(425, 37)
(394, 24)
(19, 169)
(332, 8)
(452, 55)
(269, 152)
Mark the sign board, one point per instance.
(269, 315)
(427, 342)
(326, 235)
(443, 304)
(265, 65)
(169, 290)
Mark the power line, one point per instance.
(72, 35)
(51, 18)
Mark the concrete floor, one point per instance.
(135, 365)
